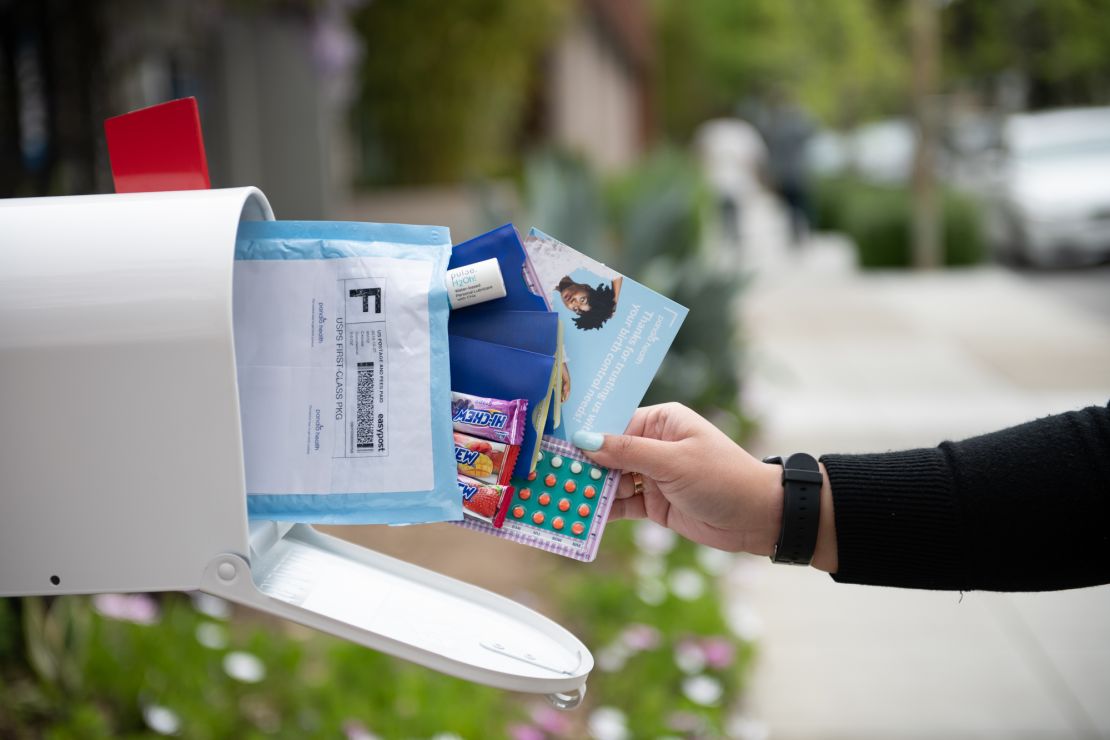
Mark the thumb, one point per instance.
(626, 452)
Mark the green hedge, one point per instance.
(878, 218)
(444, 87)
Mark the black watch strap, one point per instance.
(801, 509)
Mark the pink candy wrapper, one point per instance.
(489, 418)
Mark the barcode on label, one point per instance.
(364, 420)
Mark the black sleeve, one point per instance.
(1022, 509)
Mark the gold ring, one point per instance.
(637, 484)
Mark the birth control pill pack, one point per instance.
(561, 506)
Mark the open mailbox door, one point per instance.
(121, 455)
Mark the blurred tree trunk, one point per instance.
(926, 227)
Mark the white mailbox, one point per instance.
(121, 454)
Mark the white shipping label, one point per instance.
(333, 361)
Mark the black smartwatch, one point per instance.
(801, 508)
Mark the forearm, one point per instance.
(1035, 502)
(825, 554)
(896, 520)
(1025, 508)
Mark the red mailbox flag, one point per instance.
(158, 148)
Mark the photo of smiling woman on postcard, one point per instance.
(594, 304)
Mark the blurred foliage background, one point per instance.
(443, 94)
(137, 665)
(1061, 48)
(876, 217)
(846, 62)
(843, 61)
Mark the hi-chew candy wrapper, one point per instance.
(489, 418)
(484, 460)
(483, 501)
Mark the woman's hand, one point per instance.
(699, 482)
(565, 392)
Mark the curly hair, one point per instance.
(603, 304)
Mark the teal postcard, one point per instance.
(615, 334)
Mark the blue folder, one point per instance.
(534, 331)
(503, 243)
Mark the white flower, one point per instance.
(355, 730)
(687, 584)
(641, 637)
(649, 566)
(689, 657)
(703, 690)
(244, 667)
(612, 658)
(654, 539)
(210, 606)
(162, 720)
(744, 621)
(715, 561)
(608, 723)
(211, 635)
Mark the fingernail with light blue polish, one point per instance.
(588, 441)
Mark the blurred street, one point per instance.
(844, 361)
(1087, 288)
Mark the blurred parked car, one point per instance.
(878, 152)
(883, 151)
(1049, 195)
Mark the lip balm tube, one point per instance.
(475, 283)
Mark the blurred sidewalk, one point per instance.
(842, 361)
